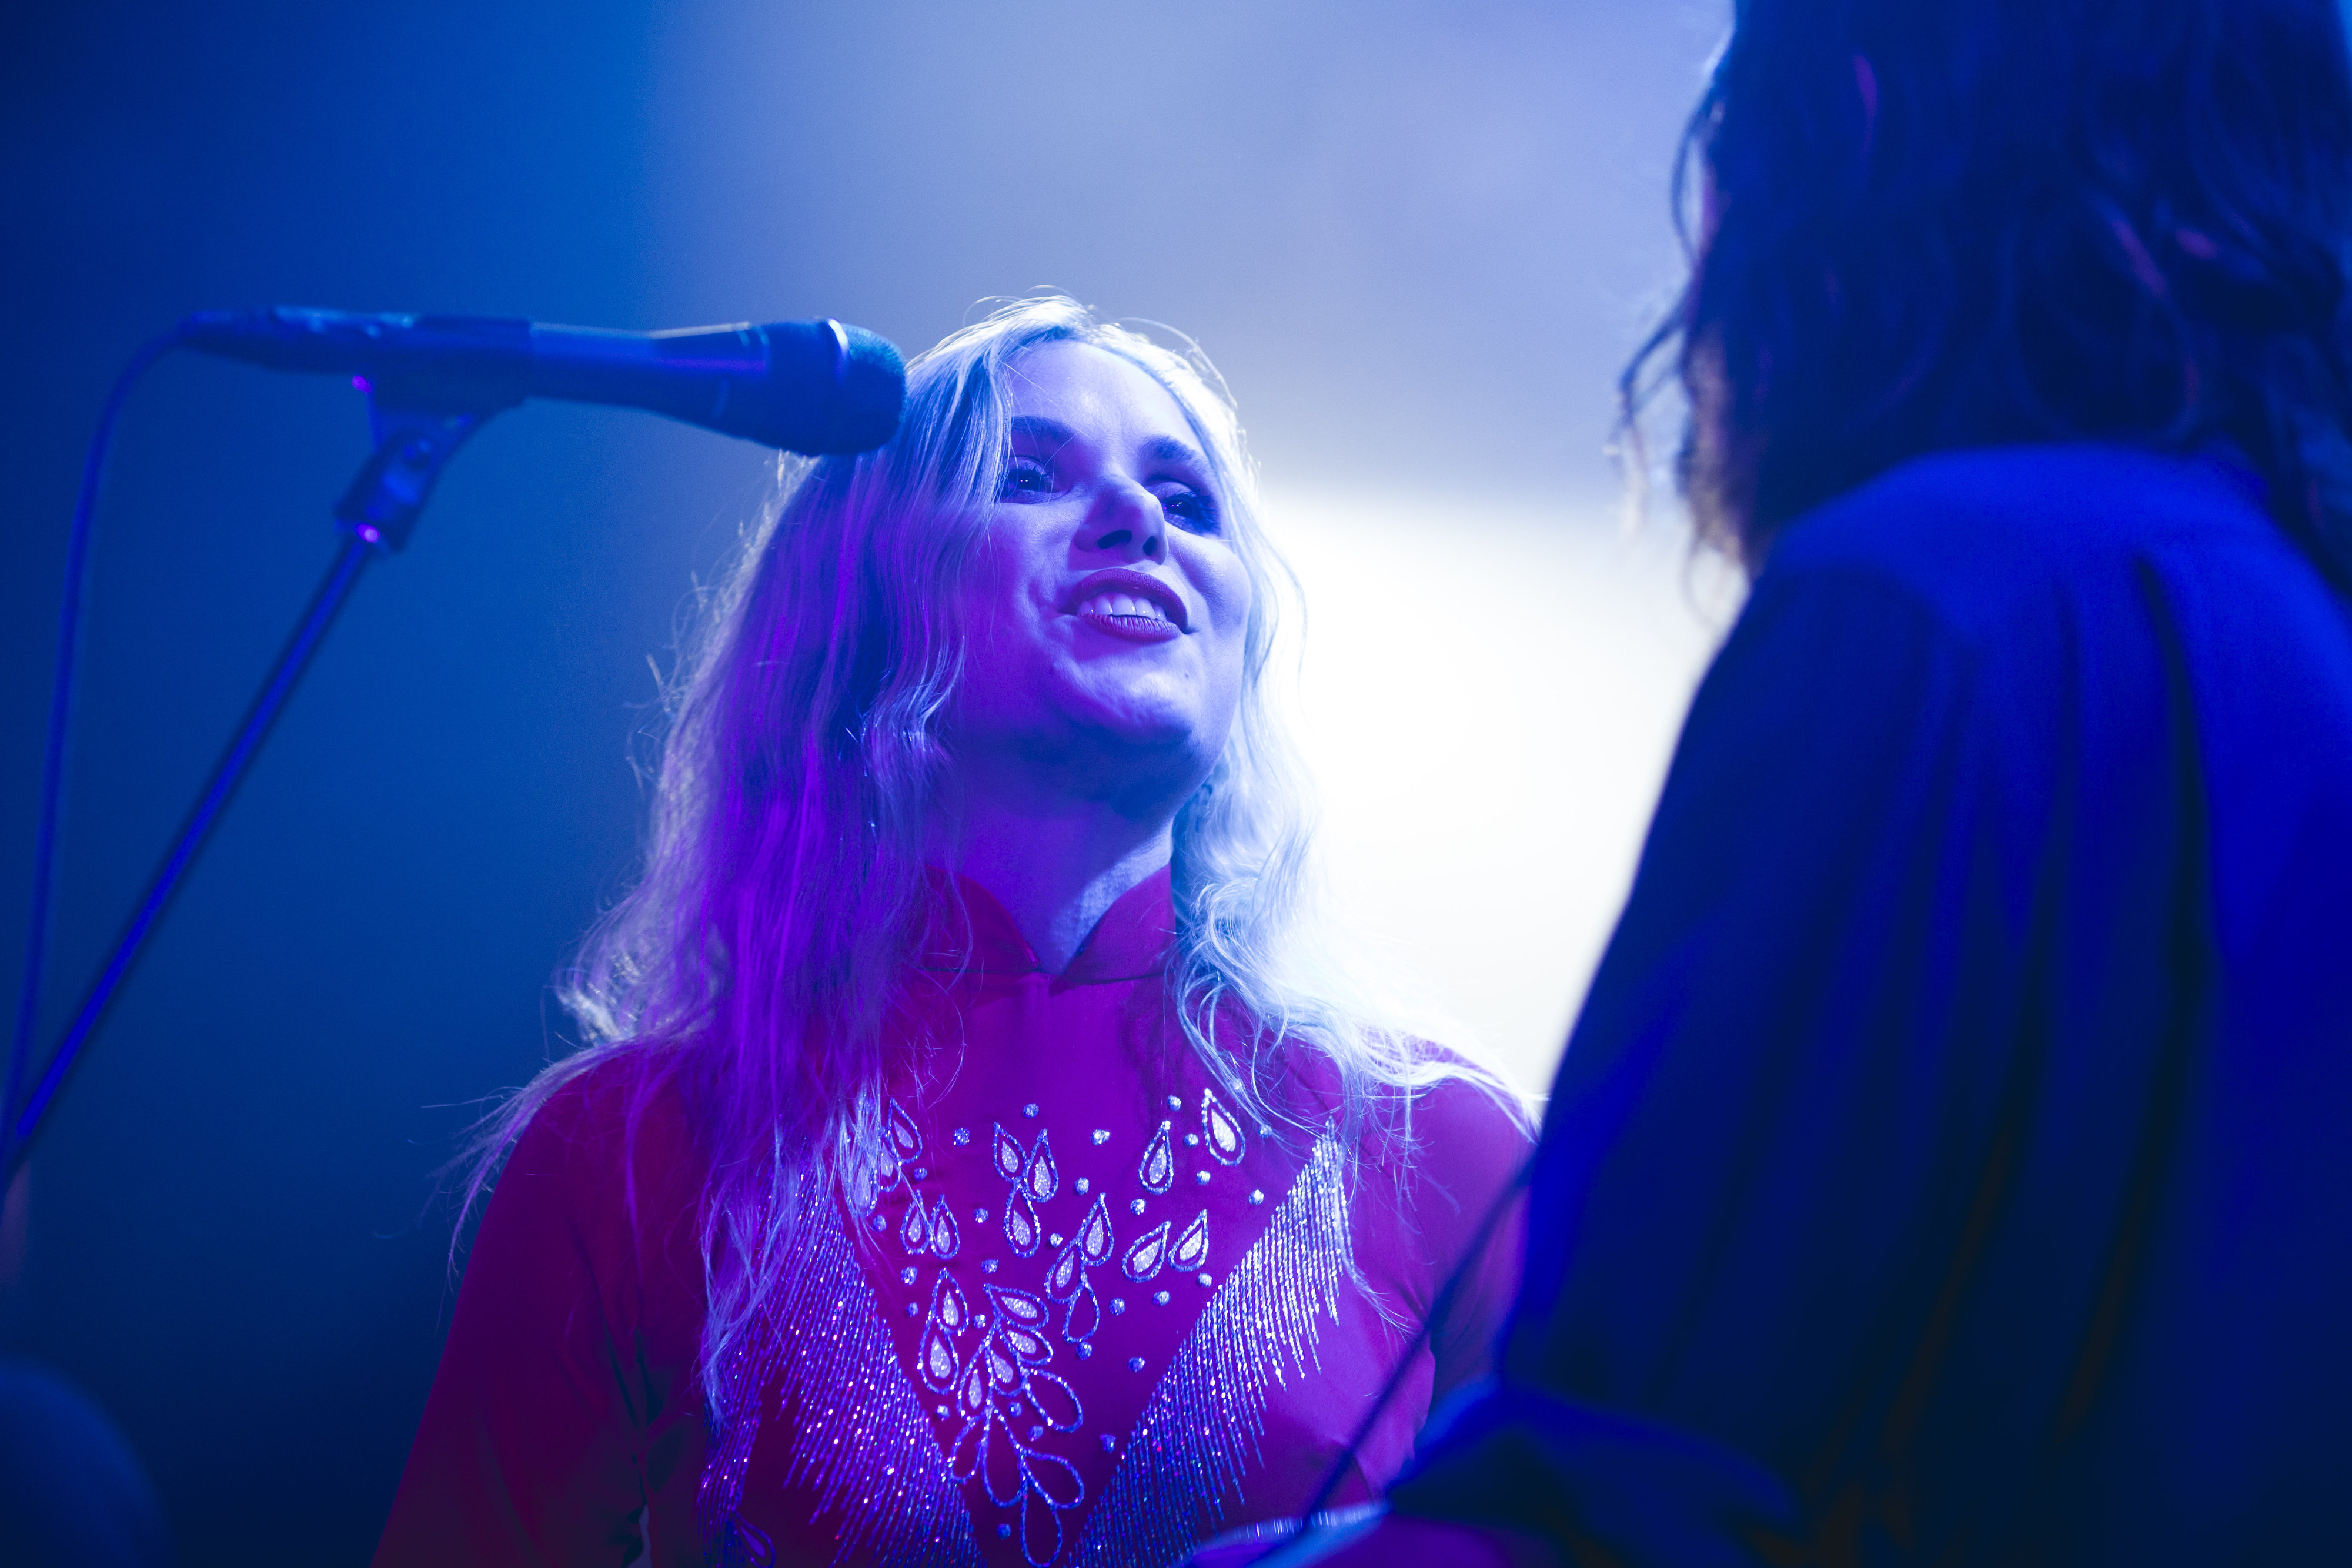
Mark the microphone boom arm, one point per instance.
(815, 387)
(378, 512)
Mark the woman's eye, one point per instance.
(1190, 510)
(1025, 476)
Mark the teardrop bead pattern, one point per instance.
(1026, 1347)
(1192, 1248)
(1084, 1319)
(936, 1356)
(1055, 1401)
(1095, 1239)
(1148, 1255)
(1041, 1520)
(914, 1230)
(963, 1454)
(1004, 1153)
(945, 1239)
(971, 1393)
(1003, 1373)
(1157, 1170)
(906, 1138)
(1221, 1132)
(1001, 1468)
(1068, 1272)
(1018, 1306)
(1039, 1179)
(1021, 1228)
(982, 1365)
(948, 1309)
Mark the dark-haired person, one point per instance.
(1953, 1162)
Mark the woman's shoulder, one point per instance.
(1442, 1119)
(1466, 1133)
(1440, 1154)
(617, 1116)
(1466, 1102)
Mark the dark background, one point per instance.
(1417, 239)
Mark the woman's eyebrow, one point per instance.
(1168, 449)
(1044, 430)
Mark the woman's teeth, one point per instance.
(1122, 605)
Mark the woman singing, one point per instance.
(976, 1158)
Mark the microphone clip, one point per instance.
(412, 446)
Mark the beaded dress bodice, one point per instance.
(1096, 1314)
(1083, 1270)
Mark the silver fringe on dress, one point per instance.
(1199, 1432)
(860, 1437)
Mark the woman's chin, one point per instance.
(1147, 733)
(1166, 751)
(1152, 708)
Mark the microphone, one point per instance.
(813, 387)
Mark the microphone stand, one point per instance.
(377, 513)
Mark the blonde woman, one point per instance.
(979, 1158)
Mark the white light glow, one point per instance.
(1490, 696)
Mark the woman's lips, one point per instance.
(1130, 606)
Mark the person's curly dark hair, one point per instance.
(1937, 223)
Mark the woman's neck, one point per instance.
(1056, 864)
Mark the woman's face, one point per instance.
(1105, 607)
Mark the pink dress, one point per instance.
(1097, 1315)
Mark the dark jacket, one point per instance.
(1953, 1161)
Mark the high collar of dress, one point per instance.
(1130, 941)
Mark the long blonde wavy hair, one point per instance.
(756, 962)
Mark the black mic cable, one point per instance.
(1439, 1306)
(818, 388)
(53, 757)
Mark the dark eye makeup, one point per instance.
(1191, 510)
(1025, 477)
(1029, 477)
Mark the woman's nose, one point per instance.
(1127, 522)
